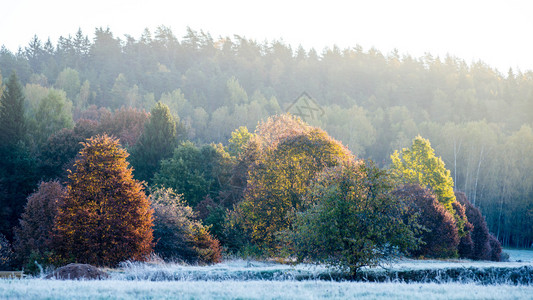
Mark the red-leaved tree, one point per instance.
(33, 236)
(440, 239)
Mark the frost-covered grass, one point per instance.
(444, 279)
(118, 289)
(228, 270)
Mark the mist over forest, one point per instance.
(477, 118)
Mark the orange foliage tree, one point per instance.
(106, 216)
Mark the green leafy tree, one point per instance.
(54, 113)
(239, 139)
(196, 172)
(419, 165)
(69, 81)
(352, 219)
(105, 217)
(158, 140)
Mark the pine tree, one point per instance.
(106, 217)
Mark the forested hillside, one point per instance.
(478, 119)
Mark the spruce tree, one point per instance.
(17, 167)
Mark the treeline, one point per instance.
(288, 190)
(477, 119)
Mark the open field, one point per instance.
(264, 280)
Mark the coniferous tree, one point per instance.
(17, 167)
(106, 217)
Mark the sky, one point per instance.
(498, 33)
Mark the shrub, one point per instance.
(177, 234)
(440, 237)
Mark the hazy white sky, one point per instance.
(496, 32)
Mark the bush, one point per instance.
(440, 237)
(352, 219)
(177, 234)
(33, 236)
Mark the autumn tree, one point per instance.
(33, 236)
(127, 124)
(439, 233)
(352, 219)
(292, 153)
(106, 217)
(419, 165)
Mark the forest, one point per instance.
(215, 92)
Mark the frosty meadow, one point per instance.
(265, 280)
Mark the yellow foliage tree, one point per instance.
(292, 152)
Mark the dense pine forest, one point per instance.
(478, 119)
